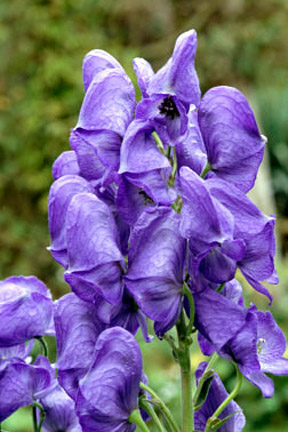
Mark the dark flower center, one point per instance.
(168, 108)
(147, 198)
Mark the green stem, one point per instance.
(206, 169)
(188, 293)
(148, 408)
(209, 366)
(229, 398)
(34, 416)
(174, 169)
(161, 405)
(43, 345)
(186, 376)
(158, 142)
(220, 287)
(135, 417)
(37, 428)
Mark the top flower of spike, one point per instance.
(168, 93)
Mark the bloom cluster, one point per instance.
(149, 216)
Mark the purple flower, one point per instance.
(144, 166)
(26, 310)
(106, 112)
(94, 256)
(234, 145)
(20, 385)
(60, 195)
(217, 394)
(258, 348)
(65, 164)
(226, 231)
(77, 329)
(156, 266)
(108, 394)
(210, 227)
(168, 93)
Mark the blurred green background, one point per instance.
(242, 43)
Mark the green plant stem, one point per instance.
(209, 366)
(206, 169)
(186, 376)
(161, 405)
(188, 293)
(44, 346)
(174, 169)
(37, 428)
(149, 409)
(229, 398)
(135, 417)
(34, 416)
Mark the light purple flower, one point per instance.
(26, 310)
(60, 195)
(20, 385)
(94, 256)
(143, 165)
(77, 329)
(234, 145)
(108, 394)
(156, 266)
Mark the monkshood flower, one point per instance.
(168, 93)
(59, 407)
(156, 266)
(60, 412)
(258, 348)
(143, 165)
(106, 112)
(26, 310)
(234, 232)
(108, 394)
(126, 315)
(212, 313)
(190, 148)
(66, 163)
(77, 329)
(216, 395)
(20, 385)
(210, 227)
(252, 227)
(234, 145)
(60, 196)
(94, 255)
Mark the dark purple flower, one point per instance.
(217, 394)
(60, 195)
(143, 165)
(77, 329)
(126, 315)
(156, 266)
(234, 145)
(212, 313)
(108, 394)
(26, 310)
(94, 256)
(20, 385)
